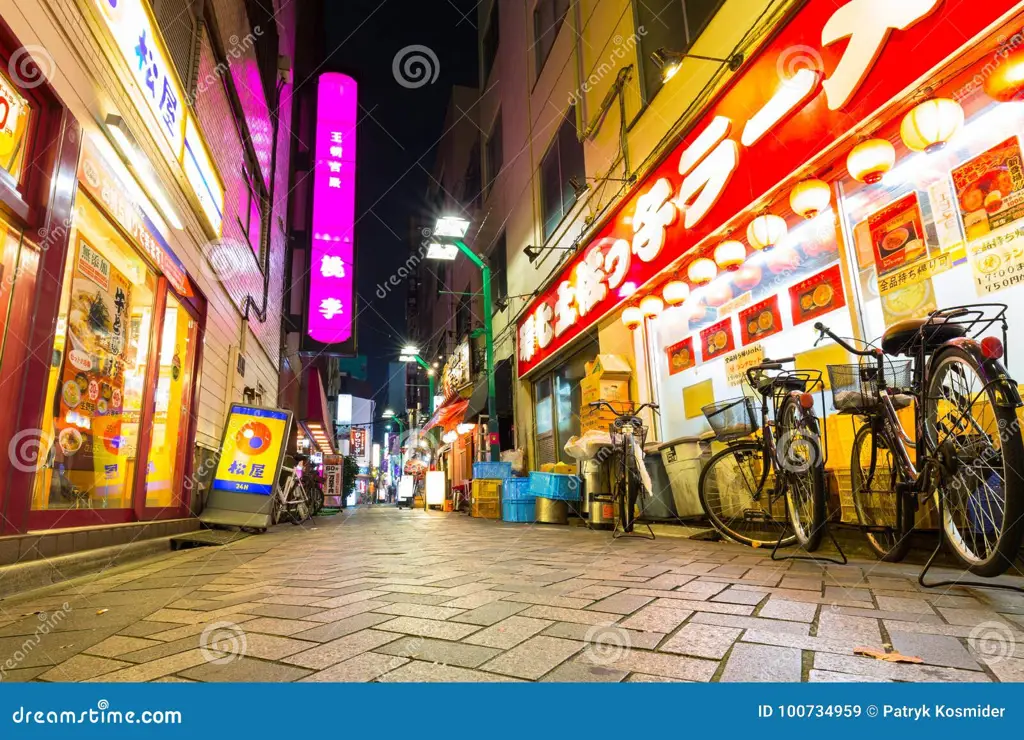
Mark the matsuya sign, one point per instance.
(853, 60)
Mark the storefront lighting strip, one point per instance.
(136, 161)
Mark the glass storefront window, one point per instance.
(10, 247)
(168, 444)
(557, 405)
(98, 370)
(15, 116)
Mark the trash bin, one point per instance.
(683, 459)
(595, 480)
(660, 506)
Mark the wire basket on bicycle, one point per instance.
(855, 387)
(617, 428)
(733, 419)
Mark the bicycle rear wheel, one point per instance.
(628, 489)
(874, 473)
(735, 489)
(799, 450)
(978, 440)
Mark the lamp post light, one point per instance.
(411, 354)
(449, 233)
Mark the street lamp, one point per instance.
(411, 354)
(453, 229)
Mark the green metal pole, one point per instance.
(430, 381)
(492, 403)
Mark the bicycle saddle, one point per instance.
(902, 337)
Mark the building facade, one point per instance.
(147, 150)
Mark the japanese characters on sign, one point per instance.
(997, 260)
(897, 234)
(737, 364)
(870, 50)
(359, 448)
(330, 313)
(252, 450)
(138, 40)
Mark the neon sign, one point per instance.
(330, 310)
(780, 122)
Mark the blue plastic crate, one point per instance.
(519, 510)
(492, 470)
(516, 489)
(553, 485)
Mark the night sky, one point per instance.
(398, 130)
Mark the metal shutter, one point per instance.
(178, 24)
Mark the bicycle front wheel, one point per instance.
(977, 438)
(628, 488)
(735, 489)
(799, 447)
(885, 513)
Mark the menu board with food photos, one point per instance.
(990, 189)
(897, 234)
(681, 356)
(717, 340)
(760, 321)
(817, 295)
(92, 381)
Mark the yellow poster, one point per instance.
(696, 397)
(251, 451)
(737, 364)
(997, 260)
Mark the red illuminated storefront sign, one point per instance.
(850, 62)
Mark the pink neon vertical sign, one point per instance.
(330, 310)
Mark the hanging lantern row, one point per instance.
(766, 231)
(729, 255)
(928, 128)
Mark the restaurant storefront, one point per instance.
(864, 166)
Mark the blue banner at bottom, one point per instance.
(503, 710)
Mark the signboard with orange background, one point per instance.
(817, 295)
(251, 451)
(760, 321)
(717, 340)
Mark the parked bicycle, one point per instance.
(292, 499)
(967, 443)
(628, 434)
(752, 488)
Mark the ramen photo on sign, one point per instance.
(990, 189)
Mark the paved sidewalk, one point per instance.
(387, 595)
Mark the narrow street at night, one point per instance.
(380, 594)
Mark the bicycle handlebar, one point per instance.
(824, 331)
(632, 412)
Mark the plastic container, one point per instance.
(683, 459)
(519, 510)
(554, 486)
(660, 506)
(516, 489)
(486, 509)
(492, 470)
(486, 490)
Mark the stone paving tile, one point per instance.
(534, 657)
(145, 628)
(282, 627)
(283, 611)
(934, 649)
(188, 630)
(492, 613)
(769, 625)
(418, 671)
(428, 628)
(895, 616)
(117, 645)
(842, 626)
(558, 614)
(420, 610)
(596, 591)
(408, 589)
(245, 669)
(668, 581)
(358, 669)
(894, 671)
(474, 600)
(817, 676)
(342, 627)
(967, 616)
(439, 651)
(656, 618)
(329, 653)
(1006, 669)
(348, 610)
(647, 678)
(807, 583)
(841, 595)
(714, 607)
(584, 670)
(700, 590)
(156, 668)
(548, 600)
(904, 605)
(611, 635)
(762, 663)
(794, 611)
(624, 603)
(702, 641)
(669, 666)
(735, 596)
(351, 598)
(81, 667)
(292, 600)
(395, 598)
(508, 633)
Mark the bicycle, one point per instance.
(969, 453)
(291, 498)
(628, 433)
(736, 486)
(314, 485)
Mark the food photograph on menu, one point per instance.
(897, 234)
(817, 295)
(681, 356)
(990, 189)
(760, 321)
(717, 340)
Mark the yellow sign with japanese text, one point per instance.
(251, 451)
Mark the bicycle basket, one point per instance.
(639, 433)
(732, 419)
(855, 387)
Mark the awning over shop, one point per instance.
(449, 415)
(313, 416)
